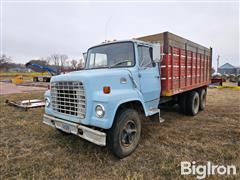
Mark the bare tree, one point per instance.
(81, 64)
(48, 60)
(4, 59)
(5, 62)
(74, 64)
(63, 59)
(55, 58)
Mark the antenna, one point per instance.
(106, 26)
(218, 62)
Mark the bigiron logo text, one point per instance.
(202, 171)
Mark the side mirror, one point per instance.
(156, 52)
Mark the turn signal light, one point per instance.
(106, 89)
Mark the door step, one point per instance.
(155, 111)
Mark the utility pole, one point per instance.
(218, 62)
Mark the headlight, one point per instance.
(47, 102)
(99, 110)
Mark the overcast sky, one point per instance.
(32, 30)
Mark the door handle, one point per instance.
(157, 76)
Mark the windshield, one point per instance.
(111, 55)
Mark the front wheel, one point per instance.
(125, 133)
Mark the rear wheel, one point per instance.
(192, 105)
(203, 95)
(125, 133)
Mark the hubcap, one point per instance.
(128, 133)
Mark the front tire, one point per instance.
(125, 133)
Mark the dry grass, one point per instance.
(32, 150)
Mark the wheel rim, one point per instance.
(196, 104)
(128, 134)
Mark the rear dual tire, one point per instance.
(192, 102)
(203, 97)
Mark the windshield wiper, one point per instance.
(120, 62)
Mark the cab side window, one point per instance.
(145, 56)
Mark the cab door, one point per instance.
(149, 76)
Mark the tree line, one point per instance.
(59, 61)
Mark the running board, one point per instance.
(155, 111)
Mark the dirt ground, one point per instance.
(31, 150)
(9, 88)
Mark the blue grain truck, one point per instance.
(125, 81)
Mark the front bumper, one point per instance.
(94, 136)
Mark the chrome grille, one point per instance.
(68, 97)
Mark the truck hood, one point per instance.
(93, 74)
(121, 86)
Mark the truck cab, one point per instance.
(104, 102)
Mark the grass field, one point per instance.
(31, 150)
